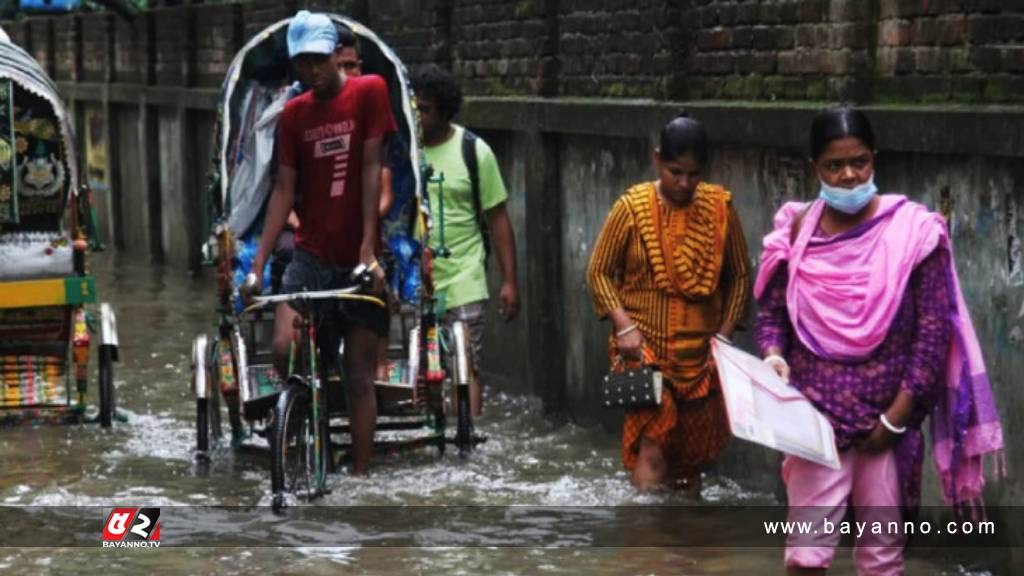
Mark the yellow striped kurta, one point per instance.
(677, 310)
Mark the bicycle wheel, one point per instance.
(292, 445)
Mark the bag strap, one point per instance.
(472, 166)
(649, 360)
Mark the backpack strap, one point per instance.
(469, 158)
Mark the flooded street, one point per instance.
(148, 461)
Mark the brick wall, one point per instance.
(966, 50)
(619, 48)
(172, 39)
(18, 32)
(97, 35)
(262, 13)
(859, 50)
(503, 46)
(780, 49)
(40, 43)
(65, 48)
(218, 36)
(417, 30)
(131, 50)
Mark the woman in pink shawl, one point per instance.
(861, 310)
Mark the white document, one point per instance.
(765, 410)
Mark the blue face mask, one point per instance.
(849, 200)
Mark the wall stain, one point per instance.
(1015, 270)
(946, 207)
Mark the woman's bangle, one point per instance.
(775, 358)
(889, 425)
(625, 331)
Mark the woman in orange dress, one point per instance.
(670, 270)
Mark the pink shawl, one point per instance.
(843, 295)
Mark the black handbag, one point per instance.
(632, 387)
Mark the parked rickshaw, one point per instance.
(47, 317)
(302, 418)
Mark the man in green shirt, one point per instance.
(462, 277)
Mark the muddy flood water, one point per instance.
(527, 466)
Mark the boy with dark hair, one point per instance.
(475, 202)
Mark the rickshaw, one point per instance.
(428, 364)
(47, 297)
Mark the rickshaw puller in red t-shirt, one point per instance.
(330, 143)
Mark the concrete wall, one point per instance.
(603, 147)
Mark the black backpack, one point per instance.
(469, 157)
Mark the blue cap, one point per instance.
(310, 33)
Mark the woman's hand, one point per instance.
(631, 345)
(879, 440)
(774, 358)
(628, 338)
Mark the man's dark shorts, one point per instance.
(306, 273)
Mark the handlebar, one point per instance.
(361, 278)
(349, 293)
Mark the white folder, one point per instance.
(764, 409)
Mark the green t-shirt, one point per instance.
(461, 277)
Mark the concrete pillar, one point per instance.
(177, 197)
(545, 344)
(131, 187)
(148, 130)
(528, 354)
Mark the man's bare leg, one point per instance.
(361, 349)
(382, 356)
(476, 397)
(476, 401)
(284, 332)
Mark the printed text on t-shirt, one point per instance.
(328, 130)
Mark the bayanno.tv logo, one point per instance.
(132, 528)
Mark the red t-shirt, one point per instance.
(323, 143)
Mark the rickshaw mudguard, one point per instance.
(462, 358)
(109, 329)
(200, 367)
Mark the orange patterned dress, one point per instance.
(679, 273)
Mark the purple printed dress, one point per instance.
(853, 395)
